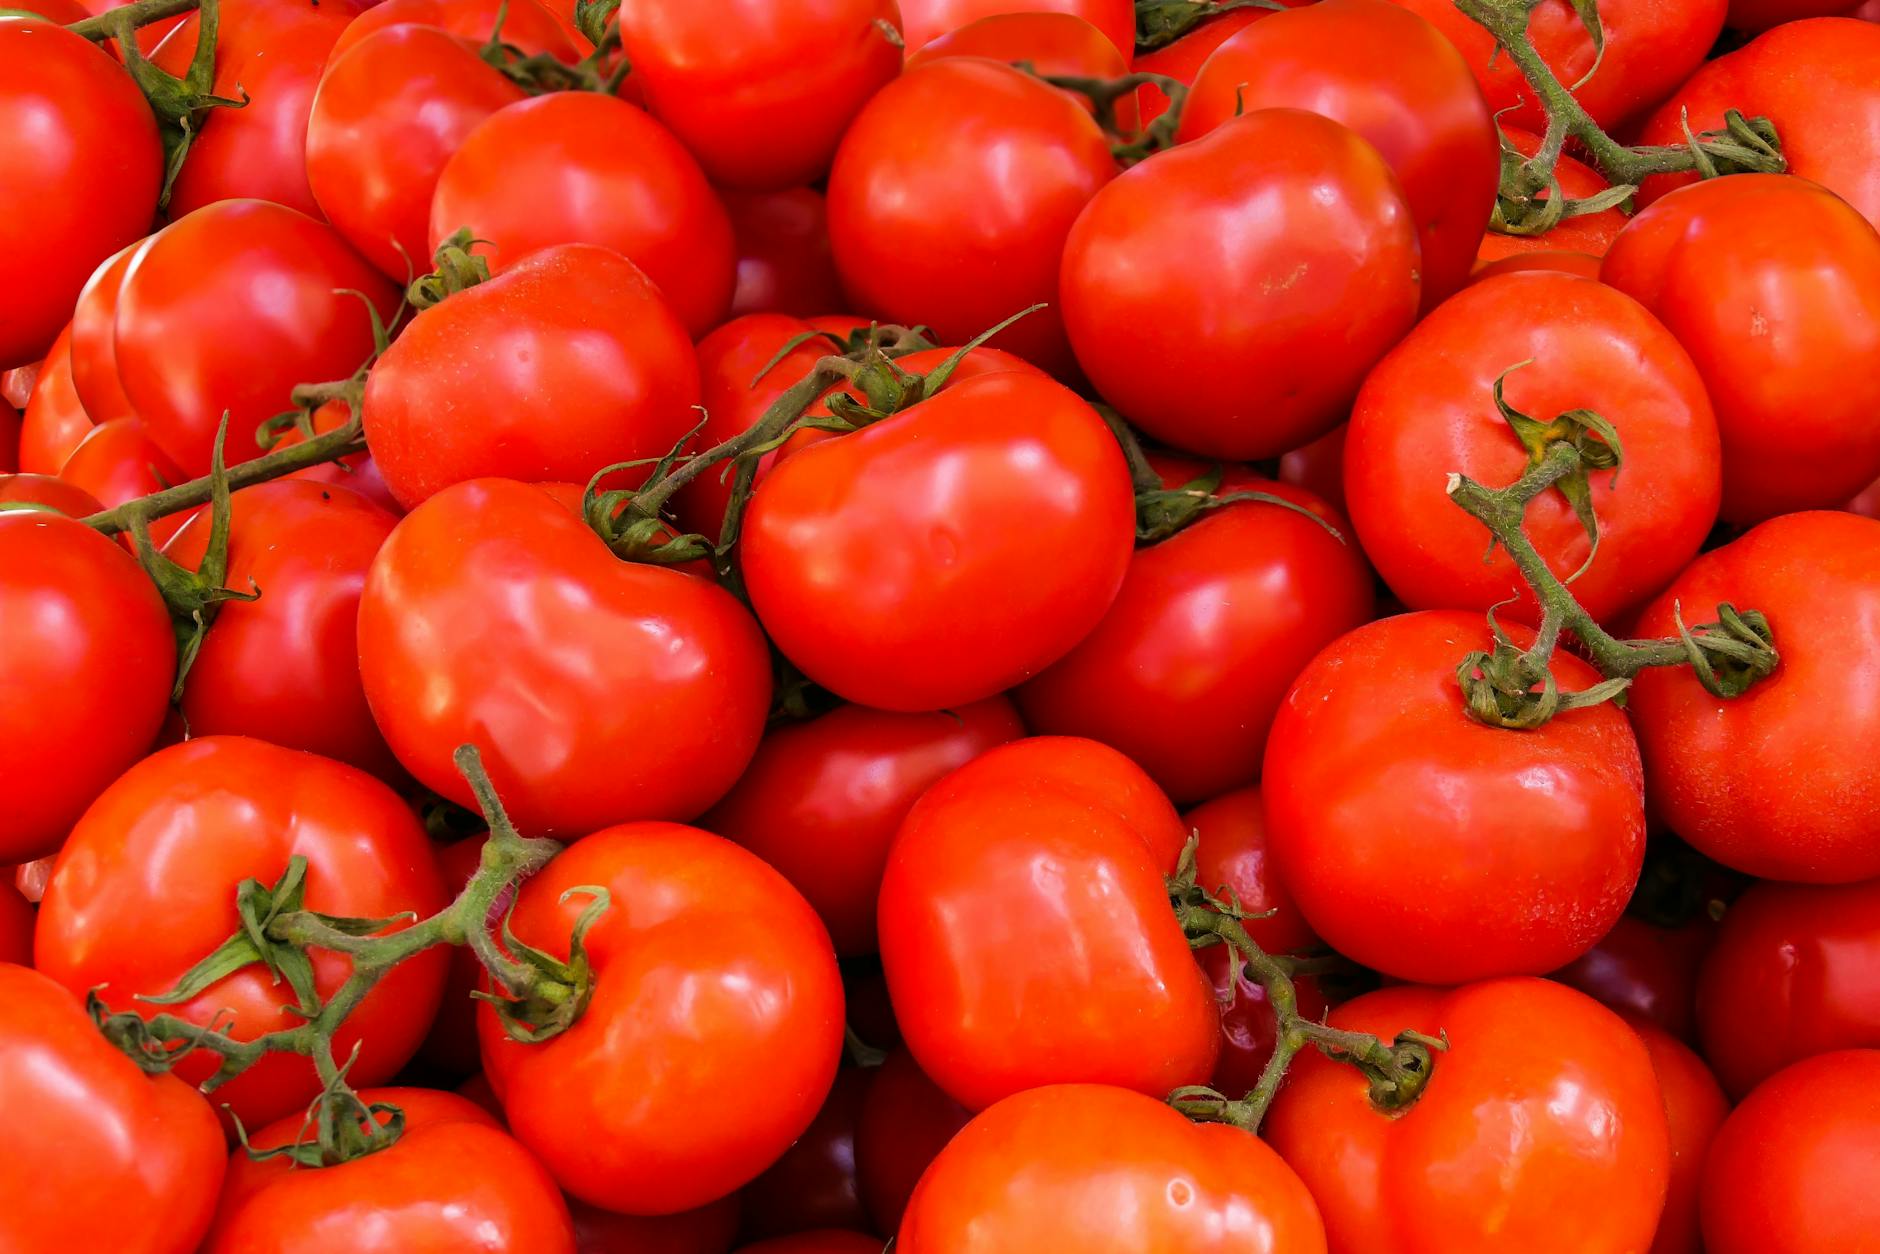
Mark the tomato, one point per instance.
(1590, 233)
(93, 341)
(1265, 266)
(453, 1180)
(357, 472)
(926, 20)
(1791, 1170)
(118, 462)
(1694, 1109)
(1562, 343)
(824, 1241)
(54, 421)
(1391, 77)
(118, 914)
(68, 499)
(1105, 1171)
(86, 659)
(1760, 15)
(1182, 60)
(760, 92)
(1867, 504)
(16, 384)
(101, 1145)
(822, 800)
(1319, 468)
(707, 1230)
(1432, 847)
(16, 926)
(1584, 265)
(884, 563)
(1799, 801)
(83, 164)
(1027, 936)
(906, 1120)
(952, 195)
(598, 690)
(1050, 43)
(786, 263)
(388, 113)
(527, 25)
(1186, 670)
(1646, 972)
(451, 1044)
(813, 1185)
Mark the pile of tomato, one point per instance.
(973, 626)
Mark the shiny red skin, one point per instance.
(68, 499)
(884, 564)
(1780, 328)
(708, 1230)
(565, 363)
(1393, 78)
(1319, 468)
(86, 659)
(822, 800)
(1645, 972)
(1388, 810)
(1102, 1170)
(1297, 269)
(906, 1120)
(1186, 671)
(16, 927)
(454, 1180)
(813, 1184)
(1027, 937)
(646, 689)
(1694, 1109)
(16, 384)
(1182, 60)
(786, 263)
(117, 914)
(285, 668)
(760, 92)
(118, 462)
(451, 1044)
(101, 1143)
(926, 20)
(226, 310)
(93, 341)
(711, 974)
(83, 164)
(1590, 233)
(526, 24)
(1248, 1030)
(530, 176)
(387, 115)
(1543, 1101)
(1584, 265)
(951, 198)
(1818, 80)
(823, 1241)
(1051, 43)
(1801, 801)
(54, 420)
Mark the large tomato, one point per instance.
(54, 420)
(926, 20)
(786, 263)
(1646, 972)
(93, 341)
(1562, 343)
(69, 499)
(813, 1184)
(1694, 1109)
(1433, 847)
(1800, 800)
(906, 1120)
(145, 887)
(1229, 294)
(1543, 1101)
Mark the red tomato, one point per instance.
(1097, 773)
(1428, 410)
(83, 164)
(1867, 504)
(824, 1241)
(451, 1045)
(1297, 269)
(1645, 972)
(706, 955)
(1319, 468)
(16, 384)
(72, 501)
(1694, 1109)
(1248, 1029)
(101, 1145)
(1791, 1170)
(358, 472)
(1590, 233)
(1760, 15)
(906, 1121)
(1584, 265)
(813, 1185)
(1800, 800)
(117, 913)
(926, 20)
(16, 926)
(93, 341)
(707, 1230)
(9, 439)
(54, 421)
(1050, 43)
(760, 92)
(1544, 1101)
(86, 660)
(884, 563)
(454, 1180)
(528, 25)
(786, 263)
(1105, 1171)
(118, 462)
(1432, 847)
(822, 800)
(1182, 60)
(598, 690)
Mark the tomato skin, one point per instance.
(813, 1184)
(1388, 810)
(92, 341)
(760, 92)
(1051, 43)
(358, 473)
(1267, 362)
(1590, 233)
(906, 1120)
(98, 1137)
(16, 927)
(84, 164)
(786, 263)
(1694, 1109)
(1800, 802)
(927, 20)
(68, 499)
(1791, 1170)
(118, 462)
(884, 565)
(1646, 973)
(1394, 79)
(1543, 1100)
(526, 24)
(86, 659)
(1583, 265)
(821, 800)
(708, 1230)
(453, 1180)
(1105, 1171)
(54, 420)
(1183, 59)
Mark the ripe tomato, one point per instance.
(118, 914)
(1645, 972)
(926, 20)
(710, 1229)
(884, 563)
(9, 439)
(598, 690)
(453, 1180)
(1543, 1100)
(68, 499)
(1791, 1170)
(786, 263)
(1428, 410)
(906, 1120)
(16, 926)
(117, 462)
(1050, 43)
(1391, 77)
(1182, 60)
(54, 421)
(86, 659)
(100, 1144)
(1590, 233)
(1105, 1171)
(1799, 801)
(1694, 1109)
(760, 92)
(1584, 265)
(93, 341)
(813, 1184)
(1432, 847)
(1296, 269)
(83, 164)
(527, 25)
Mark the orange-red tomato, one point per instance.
(69, 499)
(927, 20)
(813, 1185)
(1694, 1109)
(1051, 43)
(54, 419)
(93, 341)
(528, 25)
(1182, 60)
(906, 1120)
(786, 263)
